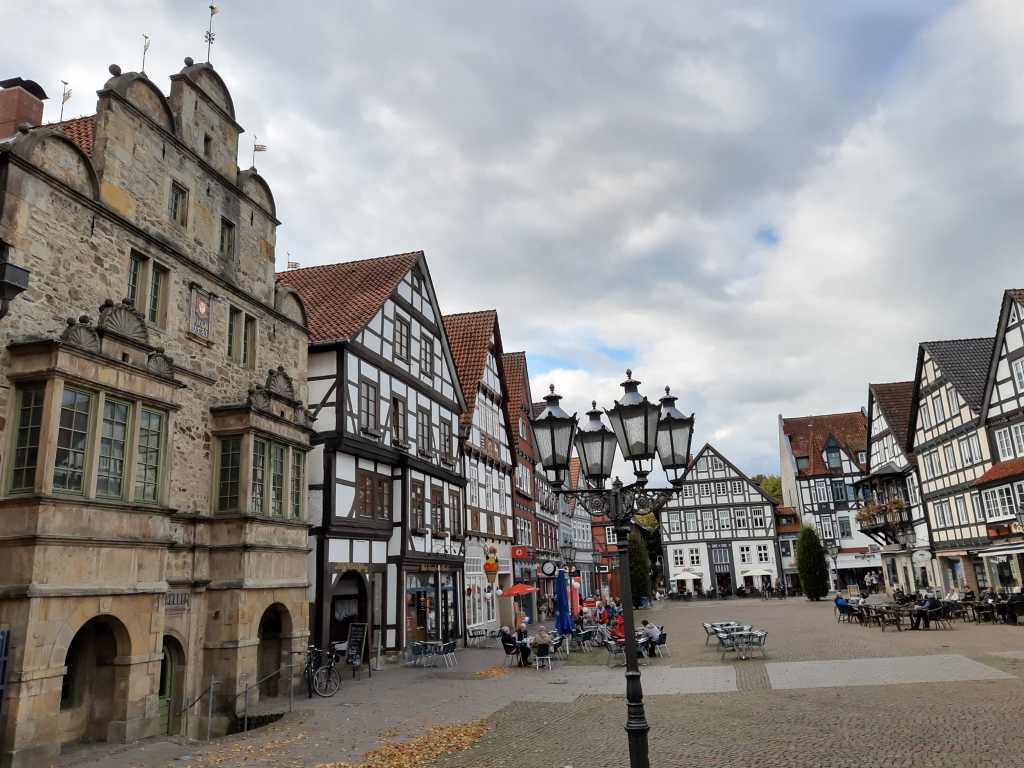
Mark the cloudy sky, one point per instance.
(765, 205)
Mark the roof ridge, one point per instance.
(353, 261)
(889, 383)
(966, 338)
(823, 415)
(472, 312)
(69, 120)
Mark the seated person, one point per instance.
(542, 641)
(653, 635)
(522, 640)
(920, 613)
(968, 594)
(618, 628)
(508, 640)
(840, 600)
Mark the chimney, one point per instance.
(21, 101)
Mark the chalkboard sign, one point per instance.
(356, 641)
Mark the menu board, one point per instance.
(356, 642)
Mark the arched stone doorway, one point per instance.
(348, 604)
(275, 626)
(172, 686)
(94, 689)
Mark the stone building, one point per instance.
(153, 438)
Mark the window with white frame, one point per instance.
(1018, 373)
(673, 522)
(1004, 444)
(704, 489)
(970, 450)
(737, 487)
(976, 507)
(942, 514)
(716, 463)
(762, 553)
(999, 502)
(694, 553)
(938, 407)
(926, 417)
(610, 536)
(961, 510)
(691, 521)
(912, 489)
(678, 558)
(931, 465)
(745, 554)
(757, 517)
(724, 520)
(821, 491)
(1018, 438)
(688, 491)
(827, 528)
(949, 454)
(709, 520)
(741, 519)
(785, 548)
(721, 489)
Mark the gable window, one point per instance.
(227, 241)
(426, 356)
(737, 487)
(1004, 444)
(1018, 373)
(862, 457)
(939, 408)
(230, 469)
(802, 462)
(398, 420)
(26, 446)
(72, 440)
(704, 489)
(402, 339)
(423, 436)
(721, 489)
(833, 459)
(179, 204)
(367, 406)
(716, 463)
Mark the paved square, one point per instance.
(890, 671)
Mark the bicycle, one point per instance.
(327, 678)
(309, 670)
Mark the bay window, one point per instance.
(275, 472)
(26, 444)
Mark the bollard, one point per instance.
(209, 707)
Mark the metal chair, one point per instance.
(511, 654)
(661, 647)
(614, 649)
(560, 645)
(448, 654)
(542, 657)
(758, 639)
(726, 643)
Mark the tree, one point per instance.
(811, 565)
(639, 568)
(770, 485)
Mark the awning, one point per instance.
(1013, 549)
(757, 572)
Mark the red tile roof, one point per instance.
(469, 337)
(342, 298)
(895, 402)
(81, 130)
(1004, 470)
(809, 434)
(517, 380)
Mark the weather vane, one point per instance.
(64, 97)
(208, 37)
(145, 47)
(256, 147)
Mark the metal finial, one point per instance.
(666, 391)
(593, 404)
(114, 70)
(629, 373)
(551, 387)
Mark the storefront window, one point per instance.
(431, 613)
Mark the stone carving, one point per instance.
(302, 416)
(259, 398)
(81, 334)
(160, 364)
(122, 320)
(280, 383)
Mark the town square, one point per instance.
(550, 384)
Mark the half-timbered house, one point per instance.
(488, 464)
(386, 483)
(822, 460)
(1002, 486)
(952, 451)
(718, 531)
(893, 515)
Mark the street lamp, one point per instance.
(833, 552)
(640, 429)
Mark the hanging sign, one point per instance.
(921, 556)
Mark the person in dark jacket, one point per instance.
(522, 640)
(920, 613)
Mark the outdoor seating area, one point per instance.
(426, 653)
(926, 614)
(739, 639)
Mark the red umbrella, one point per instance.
(517, 590)
(590, 603)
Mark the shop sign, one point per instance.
(519, 552)
(176, 601)
(548, 568)
(921, 556)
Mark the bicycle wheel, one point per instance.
(326, 681)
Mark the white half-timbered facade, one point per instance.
(718, 532)
(893, 515)
(1002, 486)
(952, 451)
(822, 462)
(488, 464)
(387, 485)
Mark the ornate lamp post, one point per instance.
(640, 429)
(833, 552)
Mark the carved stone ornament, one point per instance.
(259, 398)
(81, 334)
(302, 416)
(280, 383)
(122, 320)
(160, 364)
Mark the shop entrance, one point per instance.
(348, 605)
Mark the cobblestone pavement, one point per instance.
(703, 711)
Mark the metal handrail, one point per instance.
(291, 688)
(209, 715)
